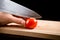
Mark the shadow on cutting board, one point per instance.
(16, 37)
(16, 26)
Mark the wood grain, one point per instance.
(44, 29)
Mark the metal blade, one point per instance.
(17, 9)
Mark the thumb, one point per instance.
(17, 20)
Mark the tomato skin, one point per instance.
(31, 23)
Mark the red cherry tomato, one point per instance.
(31, 23)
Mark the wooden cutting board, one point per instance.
(44, 29)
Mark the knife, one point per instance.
(17, 9)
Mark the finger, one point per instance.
(17, 20)
(20, 17)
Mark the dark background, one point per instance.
(42, 7)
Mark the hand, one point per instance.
(6, 18)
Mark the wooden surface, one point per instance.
(45, 29)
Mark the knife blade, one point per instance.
(17, 9)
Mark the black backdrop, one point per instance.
(41, 7)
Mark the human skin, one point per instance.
(6, 18)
